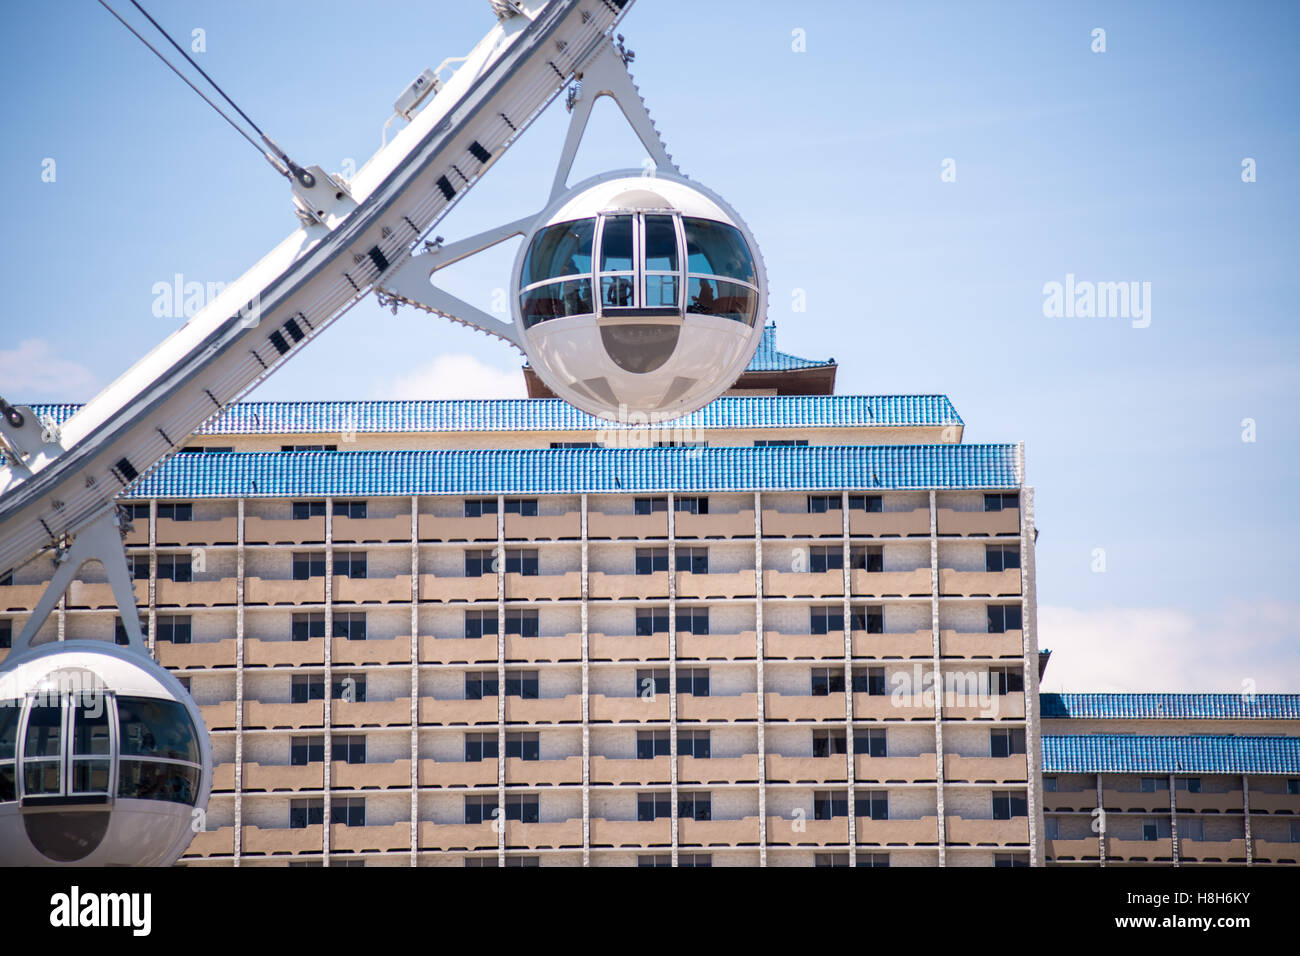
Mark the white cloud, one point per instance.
(454, 376)
(1167, 649)
(33, 371)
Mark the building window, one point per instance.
(478, 507)
(6, 632)
(694, 860)
(138, 564)
(480, 747)
(303, 510)
(693, 620)
(653, 806)
(350, 748)
(207, 450)
(1006, 680)
(174, 628)
(1049, 784)
(175, 567)
(651, 621)
(1293, 785)
(827, 681)
(1008, 804)
(480, 809)
(524, 861)
(1001, 557)
(305, 750)
(820, 504)
(522, 684)
(521, 622)
(135, 511)
(1190, 784)
(651, 682)
(309, 448)
(691, 504)
(781, 443)
(304, 627)
(829, 804)
(119, 630)
(1006, 743)
(349, 687)
(524, 746)
(830, 619)
(694, 743)
(650, 860)
(693, 680)
(350, 625)
(524, 507)
(873, 859)
(521, 561)
(308, 564)
(829, 743)
(349, 509)
(1052, 828)
(480, 623)
(1010, 859)
(1004, 618)
(869, 680)
(523, 807)
(694, 560)
(870, 743)
(1156, 828)
(306, 813)
(174, 510)
(1154, 784)
(480, 685)
(652, 743)
(350, 564)
(306, 687)
(871, 803)
(576, 445)
(646, 506)
(650, 560)
(822, 559)
(1006, 501)
(830, 859)
(695, 806)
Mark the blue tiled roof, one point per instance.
(1132, 753)
(1171, 706)
(572, 471)
(551, 414)
(769, 358)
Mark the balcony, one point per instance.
(601, 525)
(1273, 851)
(279, 531)
(287, 716)
(457, 836)
(393, 650)
(267, 591)
(277, 840)
(635, 833)
(1120, 800)
(543, 527)
(371, 530)
(539, 773)
(1231, 801)
(458, 650)
(445, 589)
(890, 583)
(544, 587)
(455, 528)
(995, 707)
(457, 712)
(195, 656)
(614, 587)
(1011, 769)
(716, 647)
(918, 769)
(457, 774)
(549, 710)
(1064, 800)
(918, 644)
(261, 653)
(804, 584)
(24, 597)
(890, 524)
(794, 707)
(1087, 848)
(724, 584)
(1261, 802)
(219, 716)
(194, 593)
(784, 524)
(392, 775)
(889, 707)
(733, 707)
(83, 595)
(391, 590)
(394, 836)
(172, 533)
(807, 831)
(275, 777)
(530, 649)
(738, 525)
(625, 710)
(923, 831)
(960, 830)
(695, 771)
(371, 713)
(543, 836)
(979, 583)
(958, 644)
(1146, 851)
(1212, 851)
(622, 771)
(742, 832)
(807, 769)
(608, 647)
(967, 523)
(219, 842)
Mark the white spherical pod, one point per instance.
(104, 758)
(639, 295)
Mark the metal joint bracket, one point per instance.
(326, 201)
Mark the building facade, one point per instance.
(792, 629)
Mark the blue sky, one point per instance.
(1117, 166)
